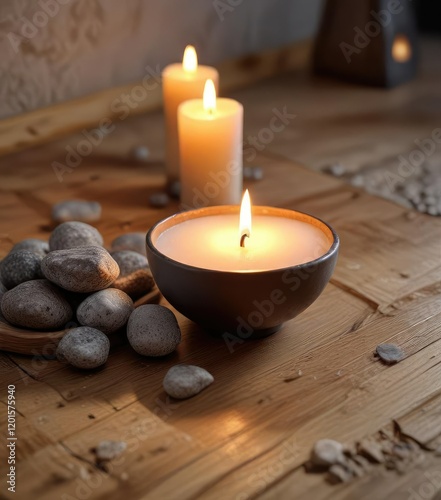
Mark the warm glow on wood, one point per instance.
(190, 60)
(245, 217)
(209, 96)
(401, 49)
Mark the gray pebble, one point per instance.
(159, 200)
(390, 353)
(130, 241)
(83, 269)
(108, 450)
(185, 381)
(84, 347)
(134, 278)
(107, 310)
(140, 154)
(153, 330)
(39, 247)
(327, 452)
(20, 266)
(3, 290)
(76, 210)
(254, 173)
(174, 189)
(36, 304)
(340, 473)
(74, 234)
(357, 180)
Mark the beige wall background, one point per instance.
(55, 50)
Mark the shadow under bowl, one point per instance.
(247, 305)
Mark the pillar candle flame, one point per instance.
(209, 97)
(190, 59)
(245, 218)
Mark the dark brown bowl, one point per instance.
(242, 304)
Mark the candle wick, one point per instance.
(242, 240)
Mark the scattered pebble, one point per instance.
(20, 266)
(107, 310)
(76, 210)
(84, 347)
(152, 330)
(390, 353)
(130, 241)
(108, 450)
(39, 247)
(159, 200)
(3, 290)
(335, 169)
(174, 189)
(82, 269)
(185, 381)
(140, 154)
(372, 450)
(74, 234)
(254, 173)
(340, 473)
(135, 278)
(327, 452)
(36, 304)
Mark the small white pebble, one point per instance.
(327, 452)
(108, 449)
(159, 200)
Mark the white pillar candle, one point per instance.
(210, 144)
(181, 82)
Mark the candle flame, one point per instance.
(190, 59)
(209, 96)
(245, 218)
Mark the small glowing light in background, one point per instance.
(401, 49)
(209, 98)
(190, 59)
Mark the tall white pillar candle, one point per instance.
(210, 141)
(181, 82)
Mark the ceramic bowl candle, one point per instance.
(233, 275)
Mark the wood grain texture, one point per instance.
(250, 433)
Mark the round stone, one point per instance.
(185, 381)
(153, 330)
(84, 347)
(174, 189)
(134, 278)
(74, 234)
(39, 247)
(107, 310)
(159, 200)
(76, 210)
(82, 269)
(140, 154)
(390, 353)
(36, 304)
(20, 266)
(108, 450)
(327, 452)
(130, 241)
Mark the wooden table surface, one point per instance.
(251, 432)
